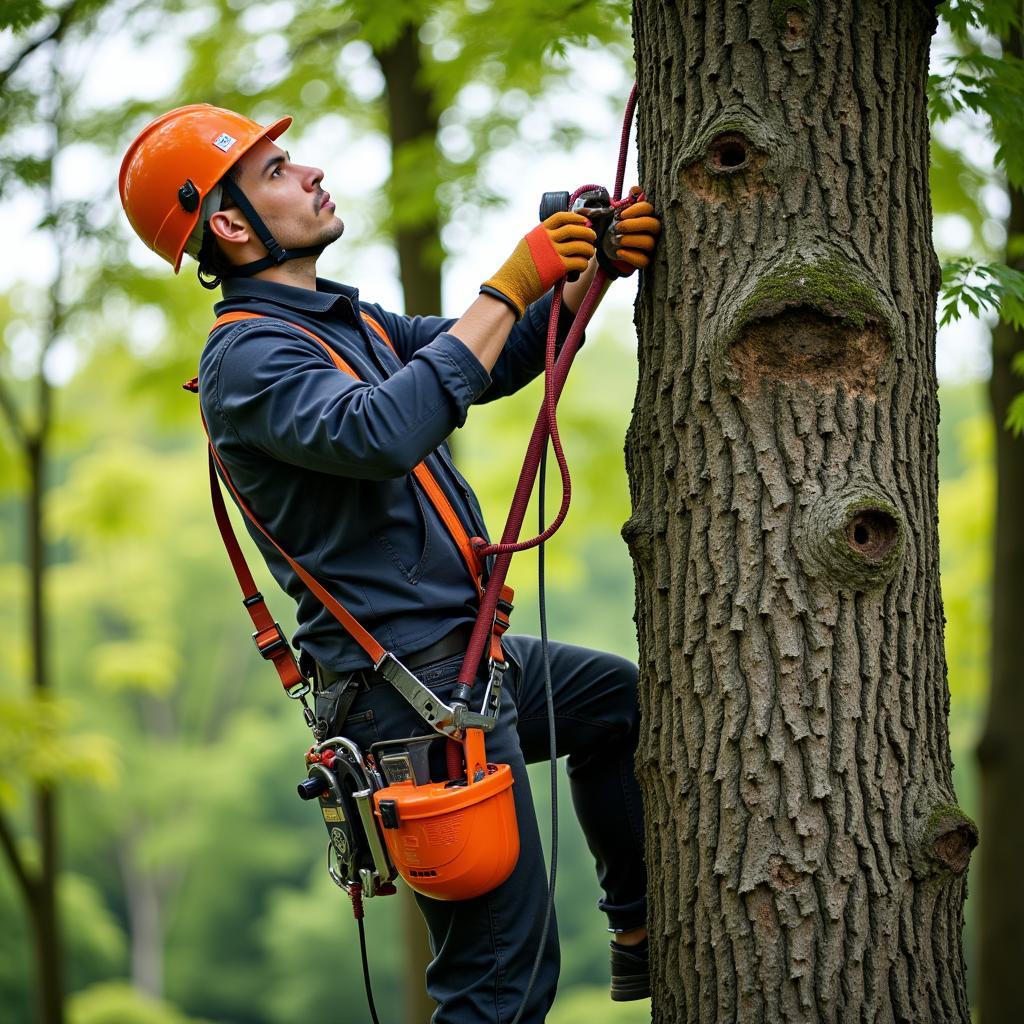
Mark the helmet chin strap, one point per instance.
(276, 254)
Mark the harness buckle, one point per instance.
(269, 641)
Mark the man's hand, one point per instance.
(555, 247)
(632, 236)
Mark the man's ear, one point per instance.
(230, 226)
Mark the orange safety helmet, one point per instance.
(174, 164)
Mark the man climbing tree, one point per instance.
(327, 418)
(795, 761)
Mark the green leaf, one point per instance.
(998, 16)
(32, 731)
(20, 14)
(1015, 416)
(982, 287)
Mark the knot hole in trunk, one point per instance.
(873, 533)
(853, 536)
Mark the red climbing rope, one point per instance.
(546, 426)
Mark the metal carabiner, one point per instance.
(492, 694)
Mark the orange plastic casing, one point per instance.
(198, 143)
(454, 842)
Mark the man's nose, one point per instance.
(312, 177)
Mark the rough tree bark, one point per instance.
(1000, 753)
(795, 758)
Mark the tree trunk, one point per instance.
(42, 904)
(795, 760)
(145, 901)
(412, 123)
(1000, 753)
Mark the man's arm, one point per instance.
(561, 244)
(484, 328)
(273, 390)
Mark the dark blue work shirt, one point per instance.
(324, 460)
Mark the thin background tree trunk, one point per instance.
(411, 119)
(38, 883)
(1000, 752)
(795, 758)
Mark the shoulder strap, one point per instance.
(377, 329)
(347, 620)
(234, 318)
(374, 325)
(268, 636)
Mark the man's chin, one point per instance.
(333, 231)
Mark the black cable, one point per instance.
(542, 610)
(366, 971)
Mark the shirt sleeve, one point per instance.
(408, 334)
(277, 393)
(520, 361)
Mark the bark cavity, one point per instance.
(793, 21)
(953, 849)
(873, 533)
(805, 345)
(729, 154)
(815, 317)
(725, 161)
(730, 170)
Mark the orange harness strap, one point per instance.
(268, 636)
(338, 610)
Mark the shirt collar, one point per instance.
(327, 295)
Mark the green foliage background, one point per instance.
(172, 749)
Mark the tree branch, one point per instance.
(340, 33)
(64, 18)
(21, 873)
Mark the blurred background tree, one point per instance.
(983, 75)
(186, 867)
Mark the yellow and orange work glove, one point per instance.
(631, 237)
(555, 247)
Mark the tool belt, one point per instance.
(448, 646)
(333, 701)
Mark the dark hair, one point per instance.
(214, 264)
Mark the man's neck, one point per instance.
(294, 273)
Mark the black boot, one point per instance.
(631, 978)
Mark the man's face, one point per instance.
(289, 197)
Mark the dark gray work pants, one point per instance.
(484, 948)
